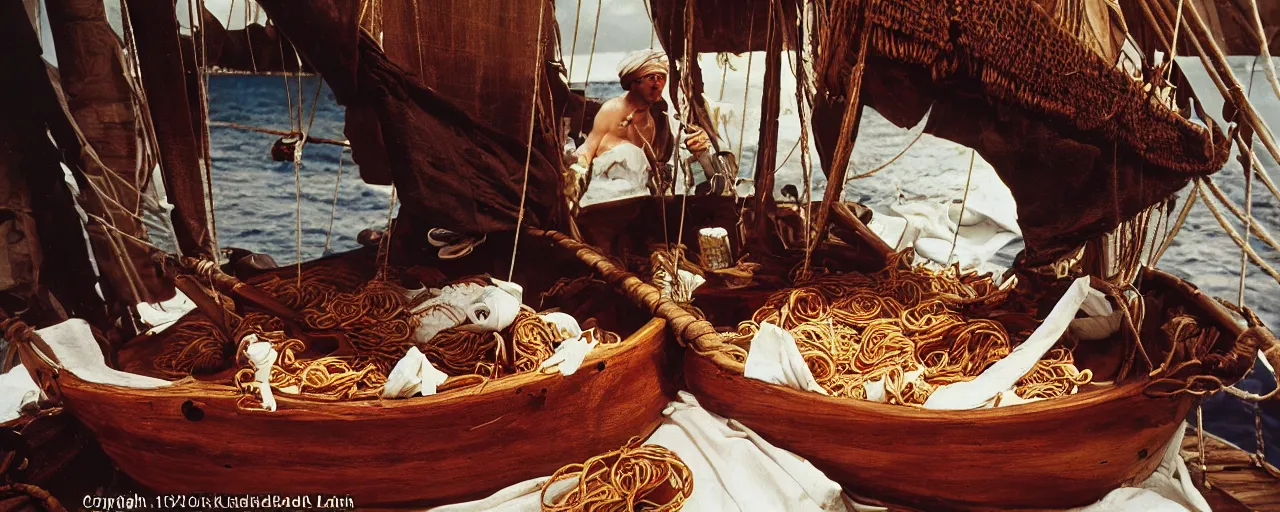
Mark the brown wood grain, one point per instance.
(1052, 454)
(1234, 482)
(458, 445)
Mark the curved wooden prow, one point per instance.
(319, 342)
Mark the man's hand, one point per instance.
(696, 140)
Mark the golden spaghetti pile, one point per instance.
(458, 351)
(634, 477)
(374, 317)
(906, 327)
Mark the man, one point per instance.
(629, 138)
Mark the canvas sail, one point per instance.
(106, 149)
(451, 170)
(37, 213)
(1081, 151)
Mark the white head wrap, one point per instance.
(640, 63)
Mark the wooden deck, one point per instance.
(1234, 483)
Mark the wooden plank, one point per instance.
(1233, 482)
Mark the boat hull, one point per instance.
(1050, 454)
(455, 446)
(1036, 457)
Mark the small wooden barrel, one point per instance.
(714, 243)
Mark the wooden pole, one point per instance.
(839, 164)
(155, 25)
(766, 150)
(700, 335)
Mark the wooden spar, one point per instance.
(154, 24)
(766, 152)
(839, 163)
(698, 333)
(282, 133)
(100, 117)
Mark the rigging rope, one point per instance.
(591, 57)
(337, 185)
(375, 317)
(1235, 237)
(964, 201)
(573, 48)
(885, 165)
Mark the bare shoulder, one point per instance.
(613, 110)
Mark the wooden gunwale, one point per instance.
(292, 404)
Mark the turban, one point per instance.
(640, 63)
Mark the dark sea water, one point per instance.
(256, 205)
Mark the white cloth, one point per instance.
(733, 470)
(930, 227)
(413, 374)
(469, 305)
(493, 311)
(16, 391)
(640, 63)
(263, 357)
(618, 173)
(569, 355)
(1001, 376)
(564, 322)
(161, 315)
(775, 358)
(445, 309)
(76, 350)
(683, 293)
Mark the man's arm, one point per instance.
(599, 127)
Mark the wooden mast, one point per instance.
(155, 24)
(837, 162)
(766, 152)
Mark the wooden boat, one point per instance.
(471, 439)
(192, 437)
(1063, 452)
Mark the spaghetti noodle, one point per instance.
(375, 318)
(907, 328)
(634, 477)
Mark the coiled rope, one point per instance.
(910, 327)
(635, 477)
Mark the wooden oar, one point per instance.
(319, 342)
(206, 304)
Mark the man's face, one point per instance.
(650, 86)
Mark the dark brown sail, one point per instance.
(451, 170)
(1081, 150)
(37, 213)
(106, 149)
